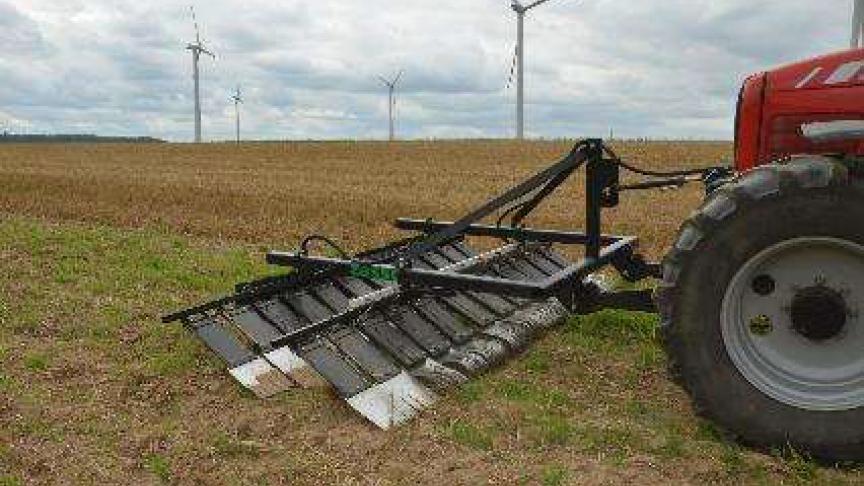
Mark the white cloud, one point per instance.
(663, 68)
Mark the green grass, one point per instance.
(471, 435)
(159, 466)
(548, 429)
(36, 362)
(232, 447)
(87, 366)
(471, 392)
(538, 362)
(554, 476)
(9, 480)
(80, 329)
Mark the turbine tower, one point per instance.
(857, 25)
(520, 62)
(237, 99)
(391, 88)
(197, 49)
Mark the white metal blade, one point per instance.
(261, 378)
(393, 402)
(295, 367)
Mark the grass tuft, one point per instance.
(528, 393)
(10, 480)
(538, 361)
(551, 429)
(36, 362)
(158, 465)
(471, 435)
(471, 392)
(230, 447)
(554, 475)
(616, 326)
(803, 468)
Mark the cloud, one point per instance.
(660, 68)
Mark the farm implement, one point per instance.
(760, 296)
(391, 328)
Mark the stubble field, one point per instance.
(97, 241)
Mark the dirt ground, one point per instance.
(96, 242)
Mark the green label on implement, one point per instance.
(374, 272)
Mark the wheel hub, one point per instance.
(818, 313)
(790, 325)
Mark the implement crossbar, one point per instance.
(453, 280)
(518, 234)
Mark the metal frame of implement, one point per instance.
(602, 189)
(314, 323)
(567, 285)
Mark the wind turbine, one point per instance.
(391, 88)
(237, 99)
(520, 63)
(197, 49)
(857, 25)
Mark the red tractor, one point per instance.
(762, 294)
(761, 297)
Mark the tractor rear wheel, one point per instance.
(760, 304)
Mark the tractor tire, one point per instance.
(761, 303)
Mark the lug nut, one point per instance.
(761, 325)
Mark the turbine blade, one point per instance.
(195, 23)
(398, 76)
(536, 4)
(857, 24)
(384, 80)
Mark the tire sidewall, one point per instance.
(704, 363)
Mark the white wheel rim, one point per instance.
(760, 335)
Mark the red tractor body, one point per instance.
(812, 106)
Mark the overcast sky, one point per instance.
(657, 68)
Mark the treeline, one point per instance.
(73, 138)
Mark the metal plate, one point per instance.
(345, 378)
(332, 296)
(543, 263)
(449, 323)
(379, 367)
(256, 328)
(419, 329)
(308, 307)
(525, 266)
(224, 344)
(285, 319)
(553, 256)
(461, 247)
(494, 302)
(355, 286)
(393, 340)
(436, 260)
(476, 357)
(437, 376)
(452, 253)
(469, 309)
